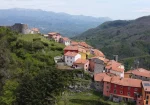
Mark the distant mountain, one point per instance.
(68, 25)
(121, 37)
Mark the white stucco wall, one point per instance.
(67, 43)
(70, 60)
(120, 74)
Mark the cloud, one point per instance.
(144, 10)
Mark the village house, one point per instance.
(126, 89)
(64, 40)
(71, 57)
(106, 86)
(35, 31)
(81, 64)
(54, 36)
(81, 44)
(99, 81)
(146, 93)
(139, 73)
(97, 65)
(76, 49)
(97, 53)
(115, 67)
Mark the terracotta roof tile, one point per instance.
(35, 29)
(99, 77)
(72, 54)
(73, 43)
(53, 33)
(126, 82)
(65, 39)
(115, 66)
(141, 72)
(71, 48)
(80, 49)
(98, 53)
(81, 61)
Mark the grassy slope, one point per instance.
(83, 98)
(52, 44)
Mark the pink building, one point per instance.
(55, 36)
(107, 86)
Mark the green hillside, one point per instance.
(124, 38)
(27, 72)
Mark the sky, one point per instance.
(114, 9)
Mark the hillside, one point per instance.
(125, 38)
(68, 25)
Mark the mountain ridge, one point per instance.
(68, 25)
(129, 38)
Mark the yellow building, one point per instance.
(146, 92)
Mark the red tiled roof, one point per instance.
(73, 43)
(71, 48)
(65, 38)
(53, 33)
(75, 48)
(81, 61)
(146, 86)
(107, 78)
(126, 82)
(83, 44)
(141, 72)
(98, 53)
(99, 77)
(72, 54)
(35, 29)
(113, 65)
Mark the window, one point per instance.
(121, 87)
(147, 97)
(86, 65)
(121, 92)
(107, 82)
(71, 57)
(115, 91)
(115, 86)
(128, 88)
(128, 93)
(107, 87)
(70, 61)
(67, 60)
(136, 89)
(146, 102)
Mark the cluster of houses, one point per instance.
(108, 75)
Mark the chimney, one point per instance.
(116, 58)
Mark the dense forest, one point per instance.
(128, 39)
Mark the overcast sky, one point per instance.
(115, 9)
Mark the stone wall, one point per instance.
(21, 28)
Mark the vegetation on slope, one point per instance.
(27, 72)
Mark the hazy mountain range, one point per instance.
(68, 25)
